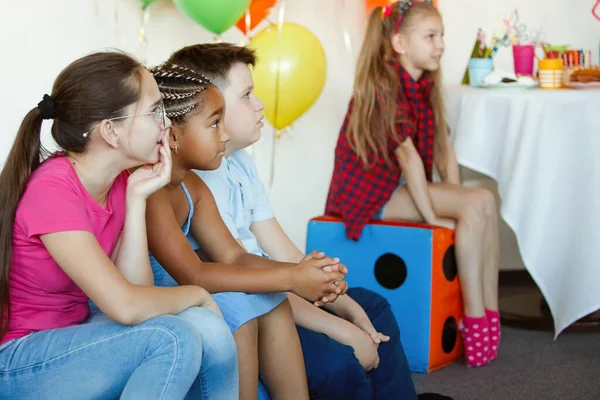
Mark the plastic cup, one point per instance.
(479, 68)
(551, 73)
(523, 56)
(558, 48)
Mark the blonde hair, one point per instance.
(376, 85)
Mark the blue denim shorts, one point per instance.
(379, 214)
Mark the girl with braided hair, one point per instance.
(250, 290)
(394, 132)
(73, 229)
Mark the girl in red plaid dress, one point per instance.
(394, 132)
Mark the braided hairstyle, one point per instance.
(181, 88)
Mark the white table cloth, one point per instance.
(543, 149)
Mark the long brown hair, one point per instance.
(93, 88)
(376, 85)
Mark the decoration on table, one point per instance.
(512, 33)
(215, 16)
(514, 29)
(575, 58)
(584, 78)
(480, 50)
(553, 51)
(506, 79)
(537, 36)
(255, 14)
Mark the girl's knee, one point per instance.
(172, 332)
(479, 206)
(220, 344)
(343, 377)
(214, 333)
(485, 202)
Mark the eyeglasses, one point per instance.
(160, 114)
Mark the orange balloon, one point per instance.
(371, 4)
(259, 9)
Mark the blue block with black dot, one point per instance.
(413, 266)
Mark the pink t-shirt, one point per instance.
(42, 296)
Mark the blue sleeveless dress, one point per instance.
(237, 308)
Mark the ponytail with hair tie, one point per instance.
(47, 107)
(94, 87)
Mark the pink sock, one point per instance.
(475, 333)
(493, 318)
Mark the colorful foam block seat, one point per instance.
(413, 266)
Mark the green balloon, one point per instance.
(215, 15)
(146, 3)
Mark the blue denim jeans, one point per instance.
(334, 372)
(100, 359)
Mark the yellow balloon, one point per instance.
(290, 73)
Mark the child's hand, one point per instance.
(337, 267)
(310, 281)
(319, 255)
(342, 288)
(364, 348)
(364, 324)
(150, 178)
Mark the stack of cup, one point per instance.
(479, 68)
(551, 73)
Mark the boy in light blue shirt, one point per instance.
(351, 347)
(240, 197)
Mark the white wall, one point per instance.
(39, 40)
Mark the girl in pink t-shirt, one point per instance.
(73, 229)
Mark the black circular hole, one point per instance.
(449, 264)
(390, 271)
(449, 335)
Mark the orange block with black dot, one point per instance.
(413, 266)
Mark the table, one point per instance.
(542, 148)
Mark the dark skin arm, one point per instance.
(229, 272)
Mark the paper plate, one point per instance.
(511, 85)
(581, 85)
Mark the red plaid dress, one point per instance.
(357, 194)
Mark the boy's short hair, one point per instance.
(214, 60)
